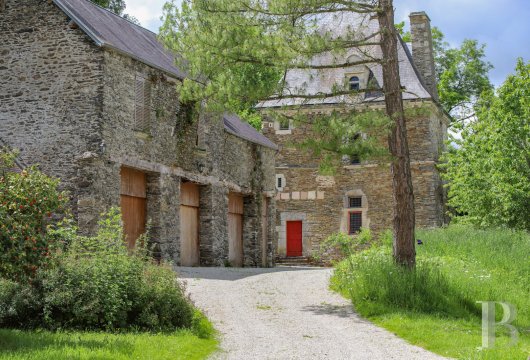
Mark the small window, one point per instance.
(355, 83)
(355, 202)
(285, 124)
(356, 222)
(355, 159)
(280, 182)
(142, 109)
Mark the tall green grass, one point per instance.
(435, 306)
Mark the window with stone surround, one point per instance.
(142, 104)
(355, 202)
(355, 159)
(280, 182)
(354, 83)
(285, 124)
(355, 222)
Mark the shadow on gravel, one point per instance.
(234, 274)
(343, 311)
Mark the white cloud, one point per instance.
(148, 12)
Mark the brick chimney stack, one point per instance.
(422, 49)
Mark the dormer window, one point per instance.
(354, 83)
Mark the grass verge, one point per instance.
(45, 345)
(435, 306)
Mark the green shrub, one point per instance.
(27, 202)
(20, 305)
(160, 302)
(340, 245)
(97, 284)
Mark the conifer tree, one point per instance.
(237, 54)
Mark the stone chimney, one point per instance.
(422, 49)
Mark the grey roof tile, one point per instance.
(237, 127)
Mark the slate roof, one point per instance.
(235, 126)
(108, 30)
(112, 31)
(312, 82)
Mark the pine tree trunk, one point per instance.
(403, 195)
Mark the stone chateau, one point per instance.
(91, 98)
(310, 207)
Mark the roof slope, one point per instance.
(235, 126)
(313, 82)
(109, 30)
(112, 31)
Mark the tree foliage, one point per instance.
(489, 170)
(239, 52)
(462, 75)
(117, 7)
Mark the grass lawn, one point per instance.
(33, 345)
(437, 309)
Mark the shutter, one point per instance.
(142, 104)
(147, 105)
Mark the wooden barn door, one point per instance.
(133, 204)
(189, 224)
(235, 229)
(294, 238)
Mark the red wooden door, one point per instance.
(294, 238)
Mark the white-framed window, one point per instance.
(280, 182)
(354, 83)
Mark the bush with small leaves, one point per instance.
(27, 201)
(98, 284)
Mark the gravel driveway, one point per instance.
(288, 313)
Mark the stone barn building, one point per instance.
(92, 99)
(310, 207)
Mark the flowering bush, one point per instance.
(27, 201)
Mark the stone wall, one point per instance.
(70, 106)
(50, 89)
(172, 150)
(321, 201)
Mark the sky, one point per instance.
(503, 25)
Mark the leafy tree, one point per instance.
(117, 7)
(462, 73)
(462, 76)
(489, 170)
(238, 52)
